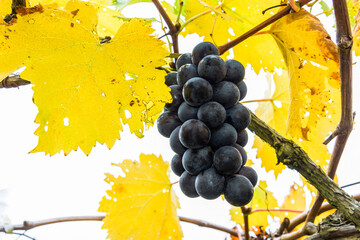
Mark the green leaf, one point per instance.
(121, 4)
(147, 20)
(326, 8)
(177, 7)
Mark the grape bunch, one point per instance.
(206, 126)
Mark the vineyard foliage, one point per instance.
(93, 70)
(144, 196)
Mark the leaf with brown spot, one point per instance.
(312, 62)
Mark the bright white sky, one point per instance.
(39, 187)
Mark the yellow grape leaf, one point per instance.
(5, 8)
(356, 35)
(142, 205)
(262, 200)
(275, 117)
(275, 112)
(60, 3)
(222, 22)
(353, 9)
(313, 69)
(82, 87)
(106, 24)
(294, 201)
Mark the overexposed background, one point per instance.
(34, 186)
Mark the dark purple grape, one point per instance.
(238, 190)
(209, 184)
(242, 153)
(227, 160)
(171, 79)
(242, 138)
(182, 60)
(176, 165)
(186, 112)
(197, 91)
(212, 68)
(175, 143)
(167, 122)
(194, 134)
(249, 173)
(226, 93)
(203, 49)
(243, 90)
(235, 71)
(213, 114)
(185, 73)
(187, 185)
(238, 116)
(196, 160)
(225, 135)
(177, 98)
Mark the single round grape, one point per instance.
(197, 91)
(194, 134)
(176, 165)
(209, 184)
(185, 73)
(175, 143)
(249, 173)
(196, 160)
(235, 71)
(227, 160)
(225, 135)
(226, 93)
(213, 114)
(171, 79)
(212, 68)
(243, 90)
(203, 49)
(242, 138)
(187, 185)
(186, 112)
(167, 122)
(242, 153)
(177, 98)
(182, 60)
(238, 190)
(238, 116)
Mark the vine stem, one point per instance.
(275, 210)
(258, 100)
(27, 225)
(294, 157)
(17, 3)
(13, 82)
(225, 47)
(324, 208)
(173, 31)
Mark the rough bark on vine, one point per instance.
(294, 157)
